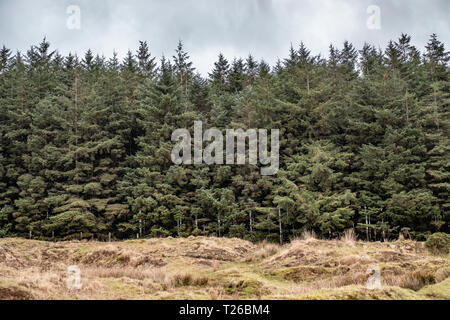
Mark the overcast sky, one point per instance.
(236, 28)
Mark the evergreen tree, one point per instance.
(146, 63)
(183, 67)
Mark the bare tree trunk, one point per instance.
(218, 224)
(367, 224)
(281, 230)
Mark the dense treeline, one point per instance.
(364, 144)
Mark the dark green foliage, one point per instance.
(85, 144)
(438, 243)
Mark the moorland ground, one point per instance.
(221, 268)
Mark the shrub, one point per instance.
(438, 243)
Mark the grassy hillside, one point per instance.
(221, 268)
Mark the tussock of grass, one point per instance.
(263, 250)
(307, 235)
(187, 279)
(349, 236)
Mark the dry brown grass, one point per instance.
(349, 236)
(307, 235)
(219, 268)
(263, 250)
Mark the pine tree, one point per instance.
(219, 75)
(146, 63)
(236, 77)
(183, 67)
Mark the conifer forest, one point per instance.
(85, 143)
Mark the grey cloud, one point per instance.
(264, 28)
